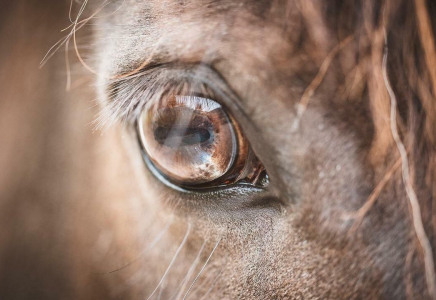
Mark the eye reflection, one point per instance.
(194, 143)
(190, 139)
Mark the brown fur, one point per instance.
(83, 218)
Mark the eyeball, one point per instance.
(193, 142)
(190, 139)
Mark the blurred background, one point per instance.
(47, 150)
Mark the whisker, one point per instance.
(67, 64)
(151, 246)
(55, 48)
(70, 11)
(76, 25)
(161, 291)
(202, 269)
(75, 30)
(188, 275)
(172, 261)
(213, 284)
(51, 52)
(205, 281)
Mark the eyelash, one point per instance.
(127, 97)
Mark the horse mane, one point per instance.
(393, 57)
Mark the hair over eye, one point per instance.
(193, 142)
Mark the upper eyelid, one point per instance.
(123, 95)
(126, 97)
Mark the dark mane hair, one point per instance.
(393, 54)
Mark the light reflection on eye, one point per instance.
(194, 143)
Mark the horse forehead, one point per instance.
(248, 34)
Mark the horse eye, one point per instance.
(194, 143)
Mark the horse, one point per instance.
(212, 149)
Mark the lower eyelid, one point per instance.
(230, 202)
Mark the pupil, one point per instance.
(175, 137)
